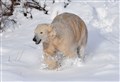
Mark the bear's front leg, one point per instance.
(50, 56)
(51, 62)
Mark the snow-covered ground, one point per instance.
(21, 58)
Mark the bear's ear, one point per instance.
(52, 32)
(50, 27)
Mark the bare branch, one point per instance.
(36, 5)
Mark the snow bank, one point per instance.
(21, 58)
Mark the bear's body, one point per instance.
(67, 34)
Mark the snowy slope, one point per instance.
(21, 58)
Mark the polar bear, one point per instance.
(67, 34)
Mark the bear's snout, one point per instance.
(37, 41)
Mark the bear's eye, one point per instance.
(41, 32)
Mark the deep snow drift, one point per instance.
(21, 58)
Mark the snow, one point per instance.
(21, 59)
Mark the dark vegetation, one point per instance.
(8, 7)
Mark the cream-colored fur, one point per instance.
(67, 34)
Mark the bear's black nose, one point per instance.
(34, 39)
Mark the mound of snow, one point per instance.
(21, 59)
